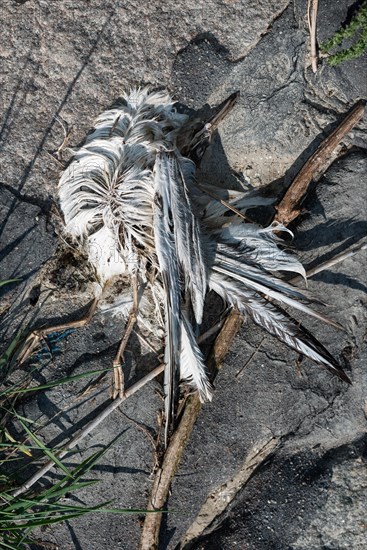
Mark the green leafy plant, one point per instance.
(357, 28)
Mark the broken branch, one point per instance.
(289, 207)
(218, 500)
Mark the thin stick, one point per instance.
(312, 17)
(289, 207)
(224, 203)
(214, 329)
(253, 354)
(87, 429)
(330, 263)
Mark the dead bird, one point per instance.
(130, 200)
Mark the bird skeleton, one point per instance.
(130, 200)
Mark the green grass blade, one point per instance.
(8, 281)
(13, 390)
(44, 449)
(88, 464)
(4, 544)
(4, 359)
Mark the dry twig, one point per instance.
(312, 16)
(87, 429)
(240, 373)
(289, 207)
(351, 251)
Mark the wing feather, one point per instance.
(192, 367)
(187, 233)
(169, 270)
(275, 322)
(182, 266)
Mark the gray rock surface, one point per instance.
(309, 500)
(62, 63)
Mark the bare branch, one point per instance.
(289, 207)
(173, 454)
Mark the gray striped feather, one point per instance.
(274, 321)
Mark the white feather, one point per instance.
(192, 367)
(185, 230)
(259, 245)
